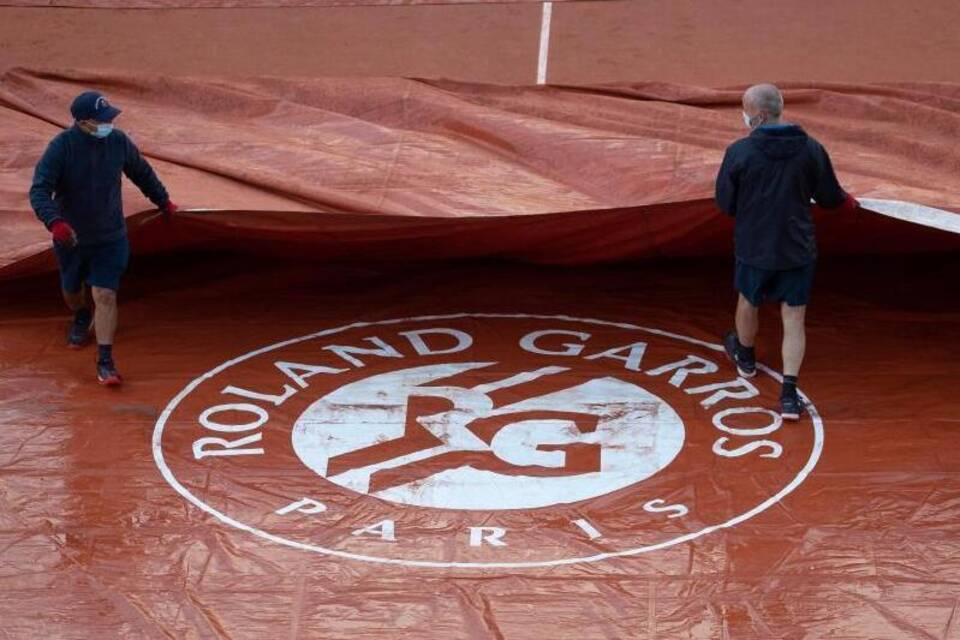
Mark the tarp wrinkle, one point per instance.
(555, 174)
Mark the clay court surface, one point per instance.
(433, 350)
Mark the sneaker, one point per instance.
(731, 344)
(107, 374)
(79, 333)
(791, 407)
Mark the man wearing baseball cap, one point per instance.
(76, 193)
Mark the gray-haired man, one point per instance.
(766, 182)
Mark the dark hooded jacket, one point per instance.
(78, 180)
(766, 183)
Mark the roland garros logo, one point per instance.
(483, 440)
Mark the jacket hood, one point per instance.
(779, 142)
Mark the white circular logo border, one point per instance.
(763, 506)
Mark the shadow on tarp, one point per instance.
(917, 282)
(669, 231)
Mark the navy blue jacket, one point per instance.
(766, 182)
(78, 180)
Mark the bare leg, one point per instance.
(794, 338)
(748, 322)
(105, 315)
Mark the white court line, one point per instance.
(544, 42)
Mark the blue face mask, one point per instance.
(103, 130)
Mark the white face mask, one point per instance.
(103, 130)
(747, 120)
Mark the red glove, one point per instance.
(170, 208)
(849, 204)
(63, 234)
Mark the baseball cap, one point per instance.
(91, 105)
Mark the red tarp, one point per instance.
(474, 448)
(96, 543)
(390, 168)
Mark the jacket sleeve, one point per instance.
(46, 177)
(828, 193)
(726, 189)
(142, 174)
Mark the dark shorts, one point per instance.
(792, 286)
(99, 265)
